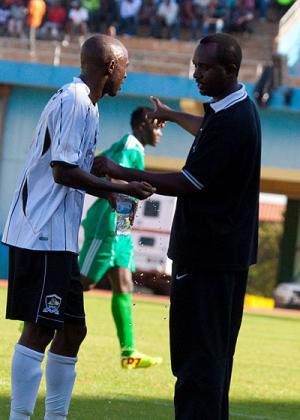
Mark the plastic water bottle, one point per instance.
(124, 213)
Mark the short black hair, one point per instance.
(138, 116)
(228, 49)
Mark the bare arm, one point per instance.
(162, 113)
(75, 177)
(173, 184)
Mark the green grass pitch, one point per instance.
(265, 383)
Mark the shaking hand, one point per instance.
(140, 190)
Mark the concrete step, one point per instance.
(248, 70)
(147, 54)
(262, 54)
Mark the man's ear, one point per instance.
(141, 126)
(111, 67)
(231, 69)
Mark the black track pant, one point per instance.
(205, 317)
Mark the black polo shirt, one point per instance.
(217, 227)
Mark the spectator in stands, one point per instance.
(188, 17)
(147, 15)
(249, 4)
(263, 6)
(4, 16)
(77, 22)
(109, 13)
(230, 7)
(129, 10)
(201, 11)
(201, 6)
(7, 3)
(93, 8)
(215, 19)
(55, 21)
(167, 17)
(111, 31)
(36, 10)
(242, 18)
(16, 22)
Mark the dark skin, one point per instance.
(147, 132)
(104, 61)
(213, 79)
(103, 77)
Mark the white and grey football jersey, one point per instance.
(45, 215)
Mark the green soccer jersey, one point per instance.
(100, 221)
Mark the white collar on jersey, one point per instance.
(230, 100)
(78, 80)
(132, 141)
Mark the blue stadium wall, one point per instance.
(31, 85)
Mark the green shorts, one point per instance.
(97, 256)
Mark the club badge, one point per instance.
(53, 303)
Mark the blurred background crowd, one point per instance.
(170, 19)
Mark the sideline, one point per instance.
(293, 313)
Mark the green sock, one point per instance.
(121, 306)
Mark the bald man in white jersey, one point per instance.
(44, 288)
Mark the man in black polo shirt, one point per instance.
(214, 234)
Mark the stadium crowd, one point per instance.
(60, 19)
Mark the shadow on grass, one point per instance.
(121, 408)
(157, 409)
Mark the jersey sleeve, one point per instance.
(209, 157)
(66, 124)
(130, 158)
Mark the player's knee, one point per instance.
(74, 335)
(125, 287)
(126, 284)
(36, 337)
(68, 340)
(80, 334)
(128, 288)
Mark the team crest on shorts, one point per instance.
(52, 304)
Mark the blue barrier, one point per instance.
(3, 261)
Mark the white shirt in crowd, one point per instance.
(129, 8)
(45, 215)
(168, 11)
(202, 3)
(78, 15)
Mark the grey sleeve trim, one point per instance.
(192, 179)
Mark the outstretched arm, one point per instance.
(75, 177)
(162, 113)
(174, 183)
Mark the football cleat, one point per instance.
(139, 360)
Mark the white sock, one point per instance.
(26, 374)
(18, 416)
(60, 378)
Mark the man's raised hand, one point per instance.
(161, 112)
